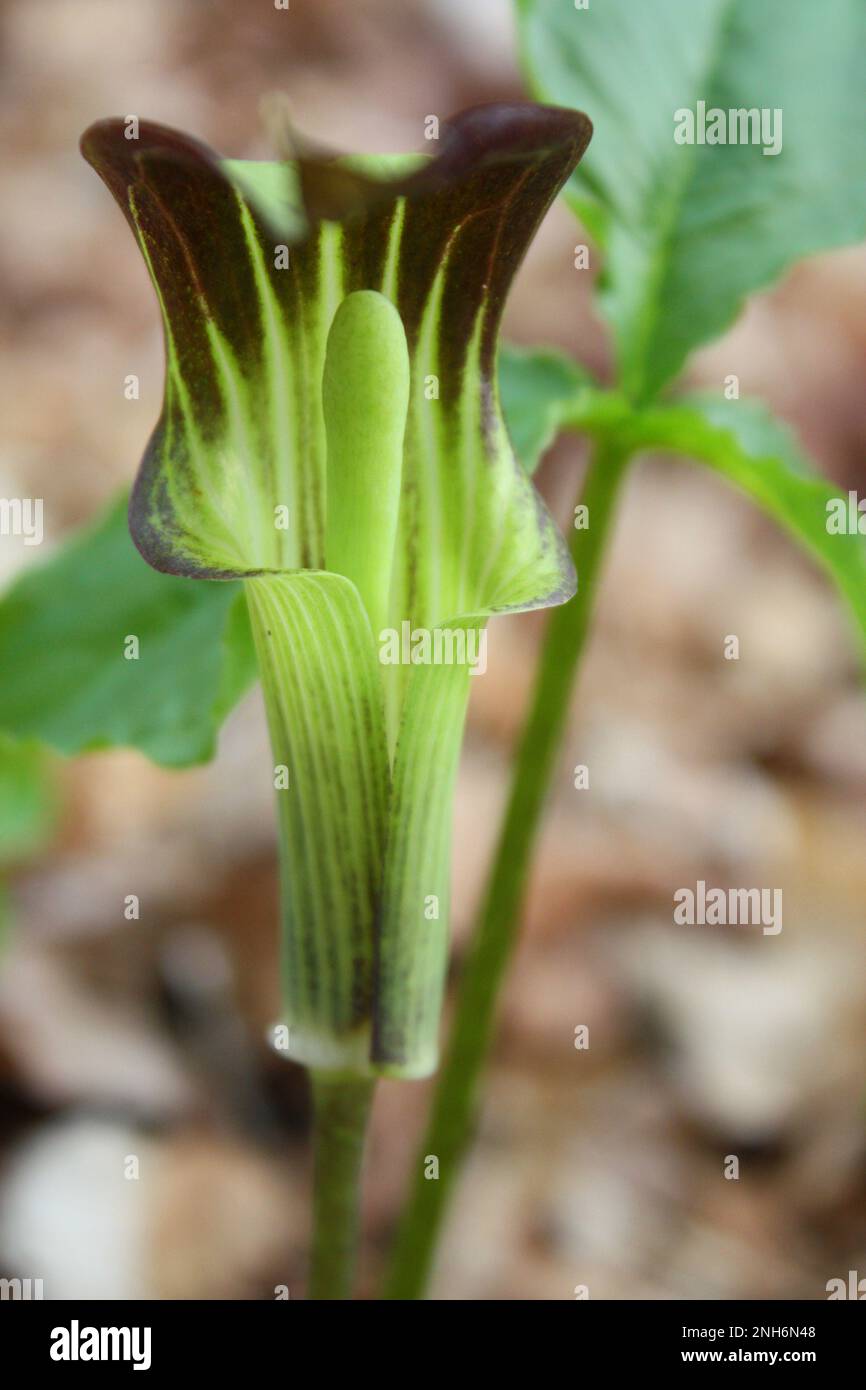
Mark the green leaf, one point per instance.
(27, 800)
(542, 393)
(539, 388)
(688, 230)
(63, 630)
(745, 444)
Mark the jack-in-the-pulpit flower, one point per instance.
(331, 434)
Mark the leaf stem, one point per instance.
(341, 1108)
(450, 1124)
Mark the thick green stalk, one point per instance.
(450, 1124)
(341, 1106)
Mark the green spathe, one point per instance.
(296, 387)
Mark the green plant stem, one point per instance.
(341, 1107)
(451, 1119)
